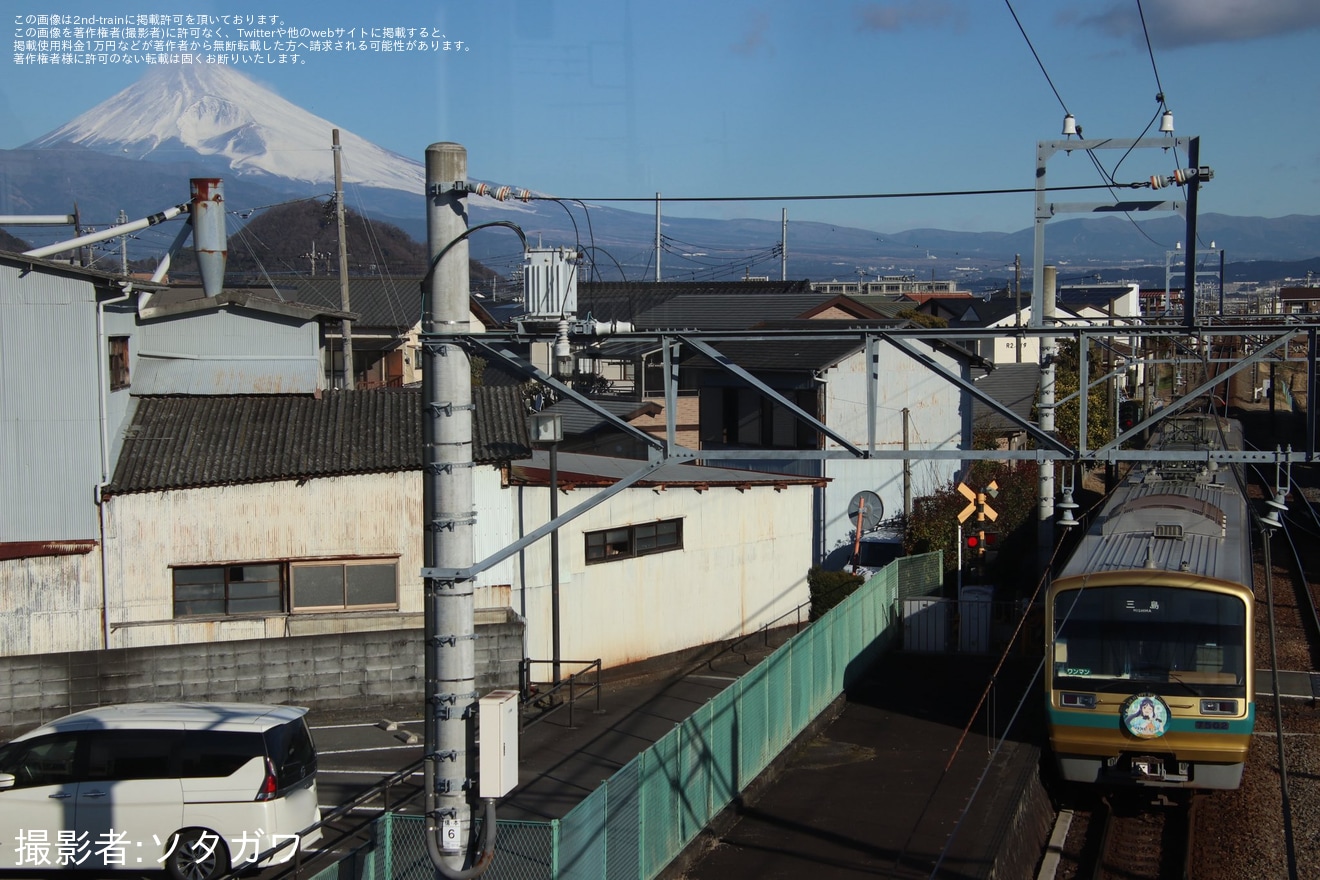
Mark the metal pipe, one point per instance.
(36, 219)
(210, 242)
(105, 234)
(554, 562)
(103, 404)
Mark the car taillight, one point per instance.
(269, 785)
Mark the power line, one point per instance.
(850, 196)
(1039, 63)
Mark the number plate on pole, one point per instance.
(449, 835)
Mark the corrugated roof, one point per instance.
(187, 442)
(577, 469)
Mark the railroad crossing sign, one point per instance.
(977, 504)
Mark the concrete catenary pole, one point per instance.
(449, 514)
(1045, 524)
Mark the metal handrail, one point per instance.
(298, 863)
(571, 683)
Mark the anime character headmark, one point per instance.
(1143, 716)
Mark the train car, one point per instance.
(1149, 627)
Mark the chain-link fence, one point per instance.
(640, 819)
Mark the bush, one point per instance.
(829, 588)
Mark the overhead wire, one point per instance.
(1108, 176)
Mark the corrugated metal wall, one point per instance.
(50, 453)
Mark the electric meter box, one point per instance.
(497, 768)
(550, 282)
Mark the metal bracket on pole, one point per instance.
(449, 408)
(446, 467)
(445, 785)
(450, 639)
(445, 522)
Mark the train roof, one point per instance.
(1152, 521)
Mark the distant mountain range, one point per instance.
(136, 151)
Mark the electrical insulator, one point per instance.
(1182, 177)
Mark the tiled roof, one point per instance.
(732, 311)
(631, 301)
(186, 442)
(395, 303)
(789, 355)
(1013, 385)
(578, 420)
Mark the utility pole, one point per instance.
(345, 324)
(1017, 302)
(907, 467)
(783, 244)
(657, 238)
(123, 244)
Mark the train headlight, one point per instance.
(1219, 707)
(1077, 701)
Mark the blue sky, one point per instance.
(622, 99)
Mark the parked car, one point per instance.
(195, 788)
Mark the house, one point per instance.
(62, 427)
(1299, 300)
(1002, 314)
(199, 518)
(1017, 387)
(58, 416)
(386, 321)
(891, 287)
(718, 411)
(274, 518)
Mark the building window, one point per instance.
(118, 362)
(626, 542)
(330, 586)
(228, 590)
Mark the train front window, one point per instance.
(1149, 634)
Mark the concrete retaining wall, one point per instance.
(339, 670)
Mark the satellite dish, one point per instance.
(871, 509)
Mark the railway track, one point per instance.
(1265, 828)
(1139, 840)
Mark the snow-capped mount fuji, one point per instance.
(180, 109)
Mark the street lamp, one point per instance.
(549, 428)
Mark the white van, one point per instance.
(194, 788)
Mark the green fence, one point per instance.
(643, 816)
